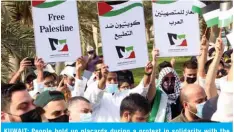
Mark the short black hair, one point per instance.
(30, 77)
(211, 51)
(190, 64)
(6, 93)
(134, 102)
(207, 65)
(48, 74)
(77, 98)
(163, 65)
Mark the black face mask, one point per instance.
(221, 73)
(31, 116)
(63, 118)
(191, 80)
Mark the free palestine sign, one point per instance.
(56, 30)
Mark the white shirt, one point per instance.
(106, 106)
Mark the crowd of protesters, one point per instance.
(86, 91)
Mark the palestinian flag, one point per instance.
(211, 14)
(225, 16)
(164, 1)
(197, 6)
(113, 8)
(46, 3)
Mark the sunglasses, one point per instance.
(90, 52)
(172, 79)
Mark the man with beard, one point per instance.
(134, 108)
(17, 104)
(190, 72)
(54, 106)
(193, 98)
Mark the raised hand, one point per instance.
(204, 43)
(24, 64)
(173, 61)
(39, 63)
(104, 71)
(155, 54)
(80, 63)
(149, 68)
(219, 47)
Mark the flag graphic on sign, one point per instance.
(107, 8)
(177, 39)
(125, 52)
(46, 3)
(58, 45)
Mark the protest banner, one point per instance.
(176, 28)
(122, 29)
(56, 30)
(231, 38)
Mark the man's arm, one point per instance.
(152, 86)
(80, 82)
(102, 81)
(210, 87)
(95, 91)
(203, 57)
(23, 65)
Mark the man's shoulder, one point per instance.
(179, 118)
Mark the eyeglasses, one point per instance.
(50, 83)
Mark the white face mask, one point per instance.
(50, 88)
(71, 88)
(85, 117)
(112, 88)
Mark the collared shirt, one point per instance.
(180, 118)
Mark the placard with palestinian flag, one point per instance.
(123, 37)
(56, 30)
(176, 28)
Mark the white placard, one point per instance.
(56, 30)
(231, 38)
(122, 28)
(176, 28)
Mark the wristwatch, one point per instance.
(148, 74)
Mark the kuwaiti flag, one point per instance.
(226, 14)
(211, 14)
(197, 6)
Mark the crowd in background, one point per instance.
(86, 91)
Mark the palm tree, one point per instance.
(148, 18)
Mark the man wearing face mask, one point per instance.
(190, 72)
(54, 105)
(134, 108)
(44, 81)
(193, 98)
(17, 104)
(106, 98)
(79, 109)
(91, 60)
(164, 93)
(69, 77)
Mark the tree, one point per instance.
(148, 18)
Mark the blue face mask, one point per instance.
(112, 88)
(50, 88)
(85, 117)
(199, 109)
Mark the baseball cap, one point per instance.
(47, 96)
